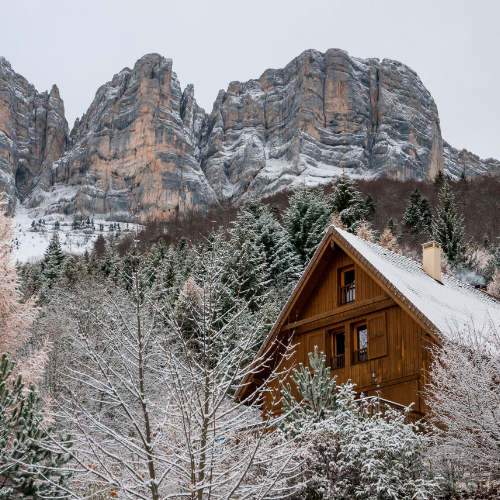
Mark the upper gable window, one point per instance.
(347, 286)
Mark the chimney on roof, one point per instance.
(432, 259)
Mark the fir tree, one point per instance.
(448, 228)
(393, 226)
(370, 208)
(318, 392)
(348, 202)
(257, 225)
(417, 219)
(439, 180)
(52, 262)
(100, 246)
(28, 467)
(305, 220)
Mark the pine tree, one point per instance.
(417, 219)
(448, 228)
(348, 202)
(439, 180)
(370, 208)
(257, 225)
(318, 392)
(53, 260)
(28, 467)
(393, 226)
(305, 220)
(345, 193)
(100, 246)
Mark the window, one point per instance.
(347, 286)
(360, 354)
(338, 350)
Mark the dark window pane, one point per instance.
(340, 343)
(349, 277)
(362, 337)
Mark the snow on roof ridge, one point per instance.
(443, 306)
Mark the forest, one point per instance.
(119, 366)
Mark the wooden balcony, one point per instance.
(338, 361)
(360, 356)
(347, 294)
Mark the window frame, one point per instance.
(341, 286)
(358, 355)
(335, 362)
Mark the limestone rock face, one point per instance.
(458, 161)
(320, 114)
(33, 132)
(145, 144)
(135, 147)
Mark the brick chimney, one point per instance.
(432, 259)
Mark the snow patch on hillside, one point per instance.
(34, 232)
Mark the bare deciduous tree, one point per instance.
(463, 392)
(148, 395)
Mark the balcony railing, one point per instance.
(338, 361)
(359, 356)
(348, 293)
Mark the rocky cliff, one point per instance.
(137, 145)
(33, 133)
(146, 143)
(318, 115)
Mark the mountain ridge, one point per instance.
(144, 143)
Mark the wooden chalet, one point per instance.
(373, 312)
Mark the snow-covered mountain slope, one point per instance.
(34, 230)
(144, 143)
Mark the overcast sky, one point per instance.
(453, 45)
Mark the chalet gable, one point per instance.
(435, 306)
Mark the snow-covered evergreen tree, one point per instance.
(52, 264)
(31, 465)
(439, 179)
(417, 219)
(350, 451)
(305, 220)
(257, 226)
(317, 389)
(448, 228)
(393, 226)
(349, 203)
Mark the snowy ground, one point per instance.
(31, 242)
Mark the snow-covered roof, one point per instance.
(441, 305)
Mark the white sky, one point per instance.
(453, 45)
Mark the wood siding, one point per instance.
(396, 342)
